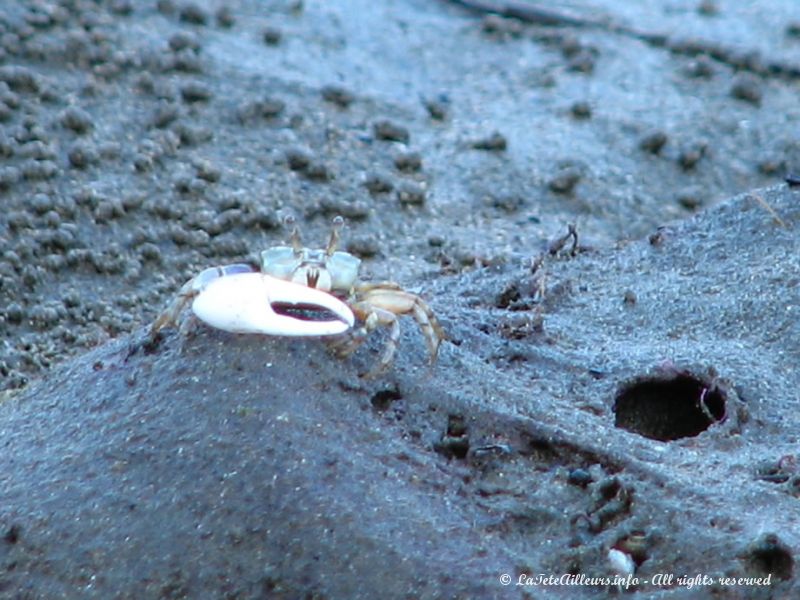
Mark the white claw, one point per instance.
(242, 303)
(621, 562)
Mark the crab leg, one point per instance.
(400, 302)
(191, 289)
(247, 303)
(373, 318)
(379, 305)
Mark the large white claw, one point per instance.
(243, 303)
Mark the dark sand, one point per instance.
(143, 142)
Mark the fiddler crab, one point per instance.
(295, 283)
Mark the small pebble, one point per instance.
(579, 477)
(565, 181)
(391, 132)
(143, 162)
(363, 246)
(691, 155)
(378, 183)
(653, 142)
(409, 162)
(228, 220)
(192, 186)
(108, 210)
(77, 257)
(15, 313)
(54, 262)
(267, 108)
(298, 158)
(701, 67)
(194, 14)
(582, 62)
(39, 20)
(186, 61)
(225, 18)
(43, 317)
(150, 252)
(81, 155)
(195, 91)
(708, 8)
(207, 171)
(272, 36)
(37, 150)
(183, 39)
(438, 108)
(165, 114)
(410, 193)
(229, 245)
(747, 87)
(690, 199)
(496, 142)
(6, 146)
(109, 150)
(581, 110)
(318, 171)
(193, 135)
(771, 164)
(13, 259)
(64, 238)
(501, 27)
(509, 203)
(356, 210)
(122, 8)
(20, 79)
(337, 95)
(166, 7)
(18, 219)
(8, 177)
(145, 82)
(34, 170)
(263, 219)
(271, 107)
(77, 119)
(436, 241)
(31, 275)
(42, 203)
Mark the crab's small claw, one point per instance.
(249, 303)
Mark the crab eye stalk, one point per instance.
(297, 244)
(333, 242)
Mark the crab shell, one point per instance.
(337, 272)
(246, 302)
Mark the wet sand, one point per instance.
(637, 394)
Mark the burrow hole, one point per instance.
(383, 399)
(768, 555)
(669, 408)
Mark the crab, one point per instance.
(294, 282)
